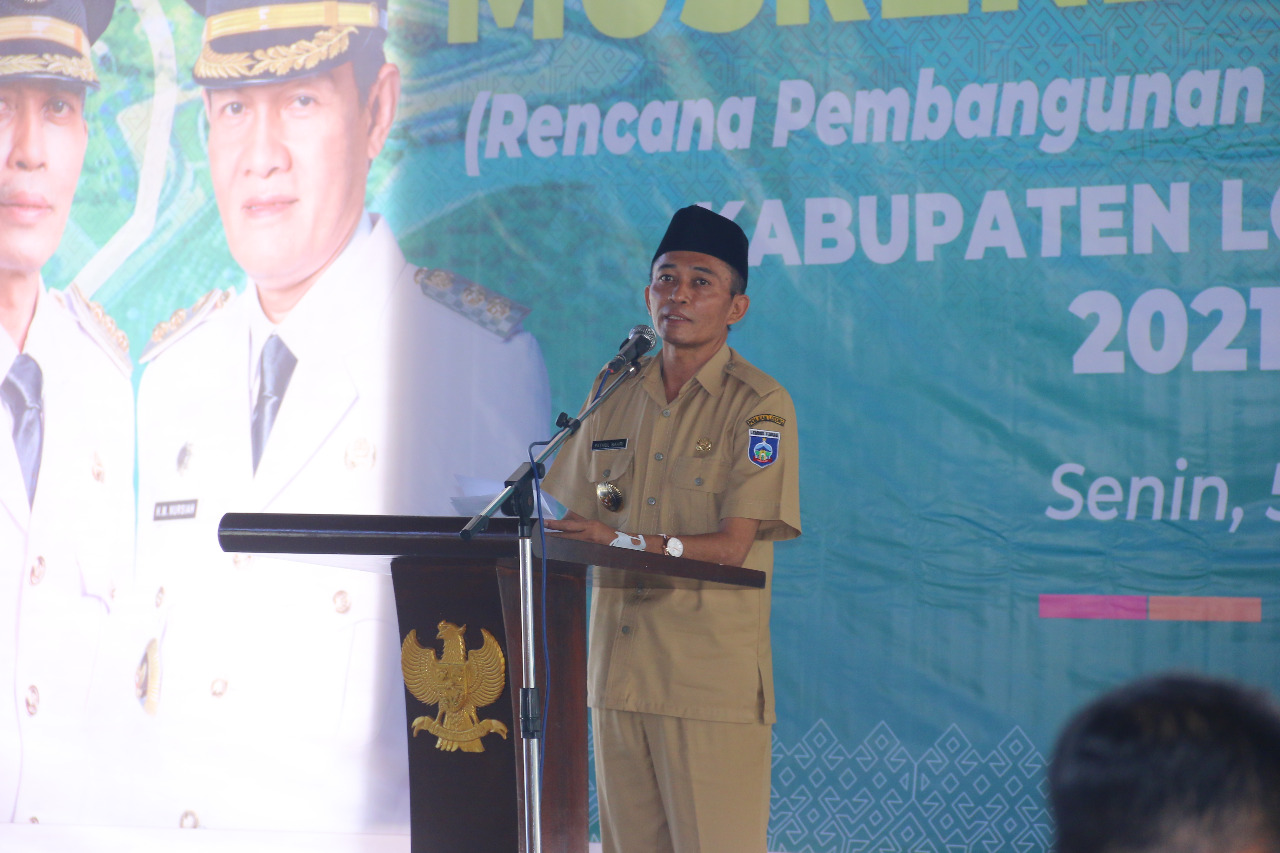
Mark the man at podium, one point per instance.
(695, 456)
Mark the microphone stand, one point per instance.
(517, 499)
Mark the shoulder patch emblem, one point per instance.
(100, 326)
(759, 419)
(183, 320)
(473, 301)
(762, 448)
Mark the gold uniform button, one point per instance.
(218, 688)
(361, 454)
(183, 463)
(341, 601)
(33, 700)
(146, 678)
(37, 571)
(188, 821)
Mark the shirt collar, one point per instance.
(261, 327)
(710, 376)
(9, 350)
(35, 336)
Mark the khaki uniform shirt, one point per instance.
(682, 467)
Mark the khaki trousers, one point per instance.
(671, 785)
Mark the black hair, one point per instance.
(737, 284)
(1171, 764)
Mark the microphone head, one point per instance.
(649, 336)
(639, 341)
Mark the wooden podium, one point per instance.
(472, 800)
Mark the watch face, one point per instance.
(674, 547)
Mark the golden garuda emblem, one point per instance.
(459, 682)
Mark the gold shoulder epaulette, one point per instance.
(759, 381)
(99, 326)
(477, 303)
(180, 322)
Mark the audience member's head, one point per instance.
(1172, 764)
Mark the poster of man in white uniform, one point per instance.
(342, 379)
(66, 435)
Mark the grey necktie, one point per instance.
(275, 370)
(21, 392)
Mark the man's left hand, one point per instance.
(574, 526)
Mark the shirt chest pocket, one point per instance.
(609, 473)
(700, 475)
(612, 465)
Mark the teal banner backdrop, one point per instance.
(1017, 261)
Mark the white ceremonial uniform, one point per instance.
(282, 704)
(68, 558)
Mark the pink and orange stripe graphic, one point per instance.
(1154, 608)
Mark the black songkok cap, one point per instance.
(269, 41)
(50, 39)
(696, 229)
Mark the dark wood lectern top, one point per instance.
(437, 536)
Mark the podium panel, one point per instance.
(473, 800)
(460, 799)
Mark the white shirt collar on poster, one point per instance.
(9, 350)
(261, 328)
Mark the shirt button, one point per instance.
(341, 601)
(666, 413)
(651, 501)
(184, 457)
(658, 456)
(697, 481)
(218, 687)
(361, 453)
(188, 821)
(37, 571)
(626, 630)
(607, 472)
(33, 700)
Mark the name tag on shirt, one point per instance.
(610, 444)
(172, 510)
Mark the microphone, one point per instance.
(639, 341)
